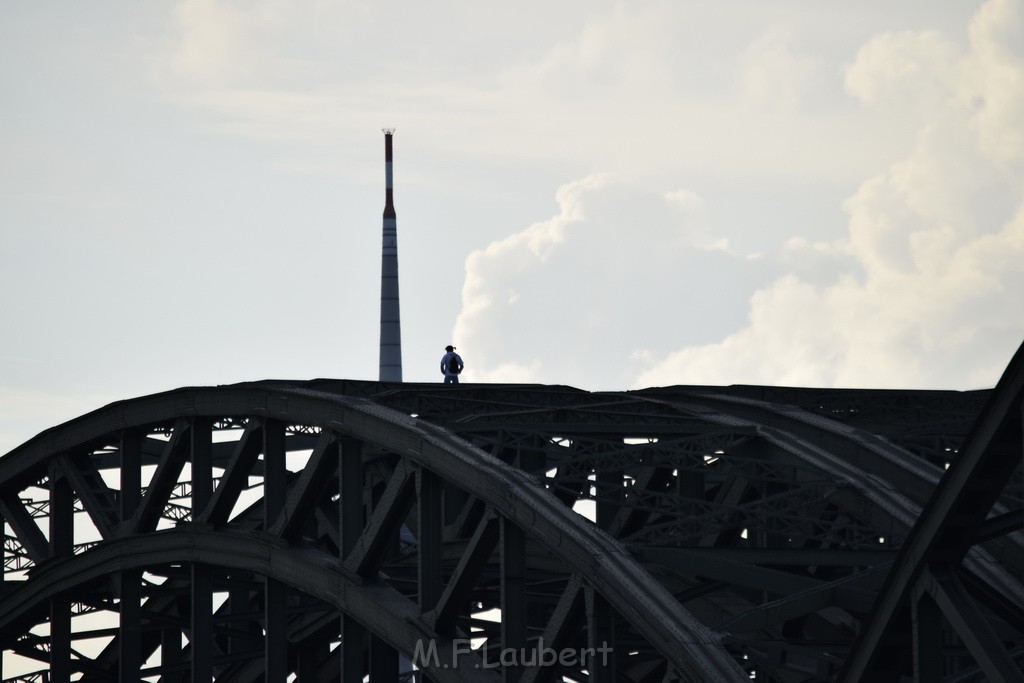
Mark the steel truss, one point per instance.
(337, 529)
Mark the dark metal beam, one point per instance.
(244, 456)
(275, 472)
(350, 500)
(430, 553)
(201, 631)
(276, 639)
(350, 527)
(601, 660)
(722, 567)
(453, 600)
(353, 642)
(130, 627)
(24, 527)
(202, 465)
(951, 521)
(972, 627)
(853, 594)
(131, 472)
(166, 476)
(391, 510)
(383, 661)
(306, 492)
(201, 643)
(928, 655)
(62, 538)
(513, 594)
(171, 657)
(1000, 525)
(686, 559)
(275, 481)
(97, 498)
(563, 626)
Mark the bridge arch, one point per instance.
(410, 473)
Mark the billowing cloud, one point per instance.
(633, 88)
(938, 238)
(619, 288)
(619, 269)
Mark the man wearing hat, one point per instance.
(451, 365)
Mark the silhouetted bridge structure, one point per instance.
(334, 530)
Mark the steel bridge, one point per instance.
(334, 530)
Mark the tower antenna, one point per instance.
(390, 319)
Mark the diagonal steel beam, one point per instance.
(235, 477)
(728, 496)
(972, 627)
(393, 507)
(160, 486)
(1000, 525)
(853, 593)
(302, 498)
(25, 528)
(562, 627)
(456, 593)
(995, 601)
(96, 496)
(628, 519)
(950, 523)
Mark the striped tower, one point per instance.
(390, 322)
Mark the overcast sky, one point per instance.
(604, 194)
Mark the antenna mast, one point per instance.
(390, 319)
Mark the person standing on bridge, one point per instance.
(451, 365)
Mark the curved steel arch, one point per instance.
(870, 466)
(904, 488)
(674, 474)
(383, 610)
(509, 493)
(889, 476)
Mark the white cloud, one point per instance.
(948, 326)
(629, 49)
(911, 69)
(938, 239)
(995, 78)
(636, 89)
(773, 78)
(922, 292)
(571, 299)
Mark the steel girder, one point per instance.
(331, 537)
(937, 604)
(763, 519)
(848, 496)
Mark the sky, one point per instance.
(603, 194)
